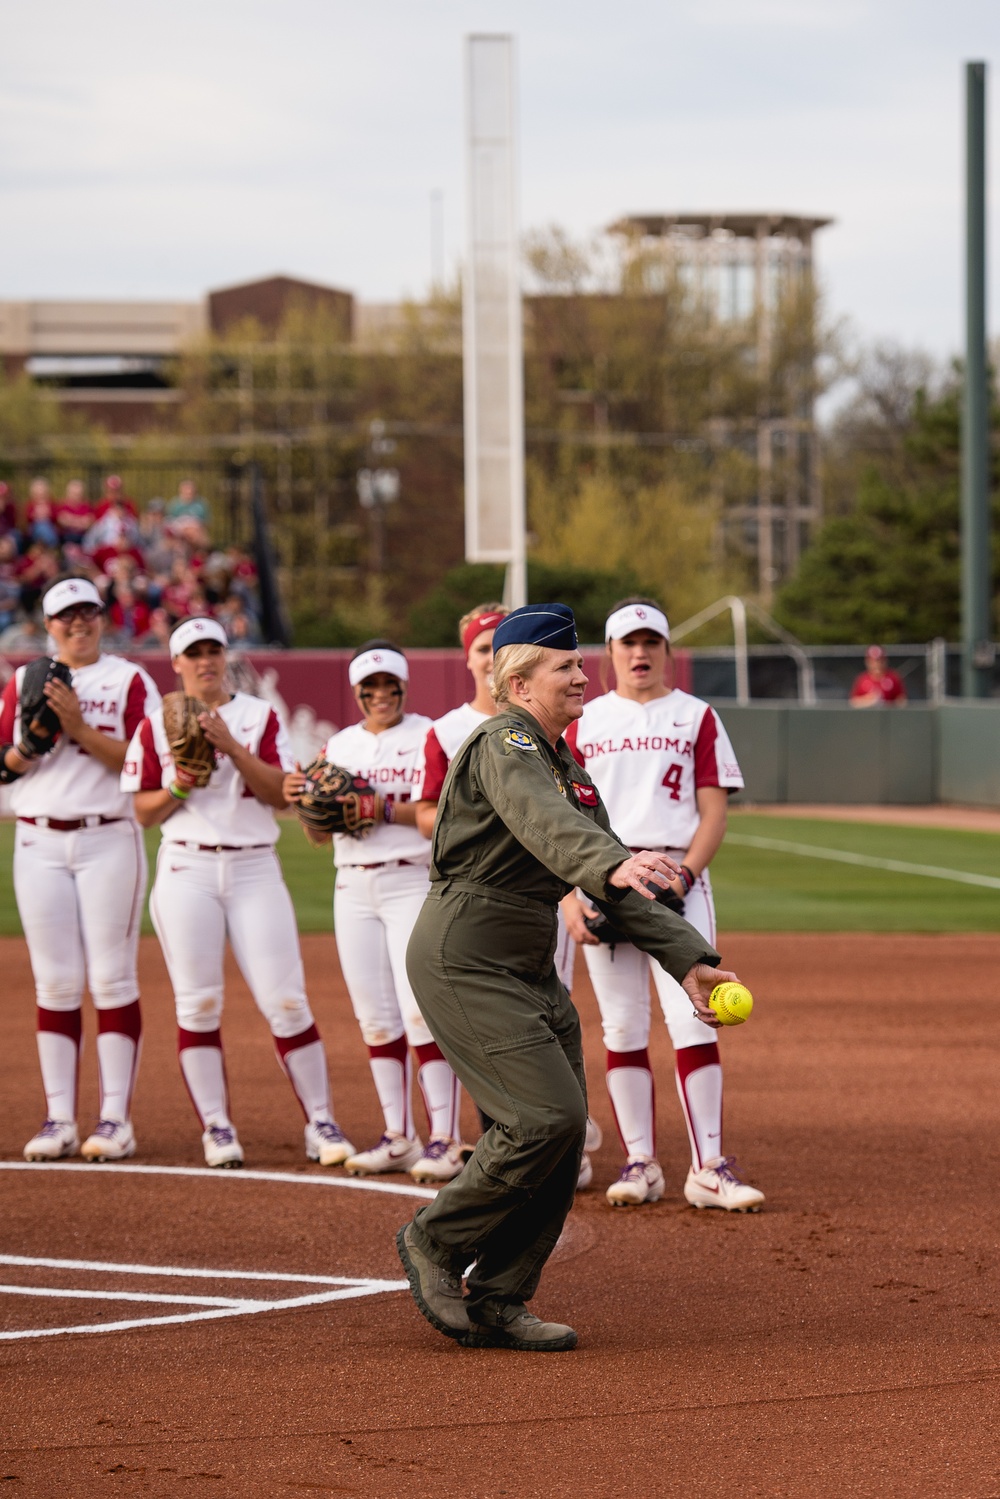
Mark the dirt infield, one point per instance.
(843, 1342)
(969, 819)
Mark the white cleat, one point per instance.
(112, 1140)
(56, 1139)
(327, 1143)
(717, 1185)
(595, 1136)
(641, 1181)
(394, 1152)
(222, 1148)
(441, 1161)
(586, 1176)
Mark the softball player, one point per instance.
(444, 738)
(664, 766)
(217, 875)
(380, 887)
(80, 873)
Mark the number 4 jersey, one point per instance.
(649, 759)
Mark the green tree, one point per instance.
(589, 593)
(889, 571)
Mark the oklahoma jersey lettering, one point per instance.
(649, 759)
(225, 811)
(115, 696)
(445, 738)
(391, 762)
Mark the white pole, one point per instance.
(491, 317)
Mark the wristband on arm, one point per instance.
(6, 774)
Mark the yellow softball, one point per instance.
(731, 1002)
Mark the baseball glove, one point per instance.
(335, 800)
(193, 756)
(604, 929)
(40, 726)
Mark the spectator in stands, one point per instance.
(39, 493)
(25, 637)
(106, 556)
(74, 514)
(157, 638)
(10, 587)
(8, 511)
(188, 502)
(116, 522)
(128, 615)
(41, 529)
(241, 627)
(35, 570)
(877, 686)
(114, 494)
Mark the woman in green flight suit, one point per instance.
(519, 824)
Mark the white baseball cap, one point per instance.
(636, 617)
(193, 630)
(70, 591)
(379, 658)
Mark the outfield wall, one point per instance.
(846, 756)
(830, 753)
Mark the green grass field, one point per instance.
(766, 889)
(757, 889)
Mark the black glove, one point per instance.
(40, 726)
(604, 929)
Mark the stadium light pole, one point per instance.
(977, 650)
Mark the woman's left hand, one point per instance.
(698, 984)
(642, 870)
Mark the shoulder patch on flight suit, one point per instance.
(519, 739)
(585, 795)
(559, 781)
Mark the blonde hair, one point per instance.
(476, 611)
(511, 661)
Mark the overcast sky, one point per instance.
(160, 149)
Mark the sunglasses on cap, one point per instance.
(86, 612)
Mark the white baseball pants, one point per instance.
(79, 896)
(620, 976)
(374, 911)
(199, 899)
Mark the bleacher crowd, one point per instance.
(153, 569)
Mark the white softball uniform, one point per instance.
(217, 875)
(381, 883)
(79, 859)
(649, 760)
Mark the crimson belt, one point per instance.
(73, 826)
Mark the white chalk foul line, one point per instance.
(840, 856)
(109, 1169)
(345, 1287)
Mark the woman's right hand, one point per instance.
(293, 783)
(575, 913)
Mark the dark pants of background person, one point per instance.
(481, 965)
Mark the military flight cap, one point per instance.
(551, 625)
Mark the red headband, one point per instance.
(477, 626)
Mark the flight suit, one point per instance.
(519, 825)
